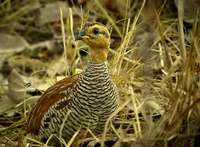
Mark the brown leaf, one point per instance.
(11, 42)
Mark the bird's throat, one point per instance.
(98, 55)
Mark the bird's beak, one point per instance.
(79, 35)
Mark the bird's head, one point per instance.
(97, 37)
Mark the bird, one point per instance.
(79, 102)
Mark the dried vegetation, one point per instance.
(154, 60)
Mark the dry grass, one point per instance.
(159, 94)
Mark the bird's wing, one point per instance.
(50, 96)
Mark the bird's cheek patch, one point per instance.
(85, 37)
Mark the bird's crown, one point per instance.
(96, 35)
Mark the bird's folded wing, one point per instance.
(50, 96)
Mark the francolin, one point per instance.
(80, 102)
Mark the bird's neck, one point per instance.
(98, 55)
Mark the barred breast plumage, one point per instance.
(81, 101)
(92, 100)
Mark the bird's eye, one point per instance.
(95, 31)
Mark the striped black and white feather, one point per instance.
(88, 104)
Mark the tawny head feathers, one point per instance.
(96, 35)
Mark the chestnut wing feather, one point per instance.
(49, 97)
